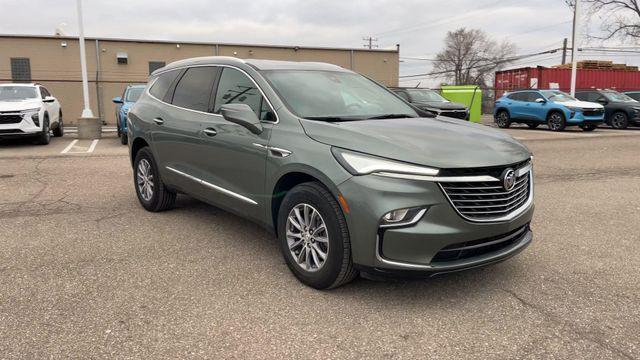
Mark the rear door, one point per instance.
(177, 127)
(232, 157)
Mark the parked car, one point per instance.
(635, 95)
(29, 110)
(123, 105)
(345, 173)
(431, 101)
(620, 109)
(552, 107)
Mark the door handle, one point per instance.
(158, 121)
(210, 132)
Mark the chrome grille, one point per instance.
(487, 200)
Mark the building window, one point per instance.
(20, 69)
(155, 65)
(123, 58)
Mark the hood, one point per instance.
(436, 142)
(441, 105)
(581, 104)
(20, 105)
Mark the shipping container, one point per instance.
(554, 78)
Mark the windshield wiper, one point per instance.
(331, 118)
(391, 116)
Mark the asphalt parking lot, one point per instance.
(85, 272)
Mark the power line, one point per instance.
(490, 63)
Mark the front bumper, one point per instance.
(581, 119)
(17, 128)
(419, 247)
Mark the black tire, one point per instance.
(588, 127)
(338, 267)
(503, 120)
(619, 120)
(124, 138)
(532, 125)
(59, 130)
(45, 136)
(161, 198)
(556, 121)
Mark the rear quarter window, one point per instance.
(163, 83)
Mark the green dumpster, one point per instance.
(469, 95)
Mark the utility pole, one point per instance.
(574, 45)
(564, 51)
(370, 42)
(89, 127)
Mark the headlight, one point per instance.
(361, 164)
(576, 109)
(28, 111)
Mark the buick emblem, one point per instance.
(508, 179)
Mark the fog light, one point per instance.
(36, 119)
(402, 217)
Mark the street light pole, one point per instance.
(574, 45)
(86, 111)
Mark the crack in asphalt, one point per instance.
(570, 327)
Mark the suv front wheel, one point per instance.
(314, 238)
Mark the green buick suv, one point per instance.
(350, 178)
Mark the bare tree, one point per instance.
(471, 57)
(621, 18)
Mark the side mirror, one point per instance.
(117, 100)
(243, 115)
(49, 99)
(541, 100)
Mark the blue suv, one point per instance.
(123, 104)
(555, 108)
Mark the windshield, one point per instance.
(17, 93)
(559, 96)
(335, 96)
(426, 95)
(133, 94)
(616, 96)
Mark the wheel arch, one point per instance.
(287, 180)
(136, 145)
(556, 110)
(503, 108)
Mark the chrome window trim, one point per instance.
(215, 187)
(208, 113)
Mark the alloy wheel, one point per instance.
(307, 237)
(618, 121)
(144, 176)
(555, 122)
(503, 119)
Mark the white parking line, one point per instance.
(69, 147)
(83, 149)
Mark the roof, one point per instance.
(255, 63)
(295, 47)
(19, 84)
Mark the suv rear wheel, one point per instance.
(152, 193)
(502, 119)
(314, 238)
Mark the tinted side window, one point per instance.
(236, 88)
(44, 93)
(160, 87)
(516, 97)
(533, 96)
(193, 91)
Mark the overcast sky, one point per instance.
(419, 26)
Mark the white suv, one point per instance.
(29, 110)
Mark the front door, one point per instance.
(233, 158)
